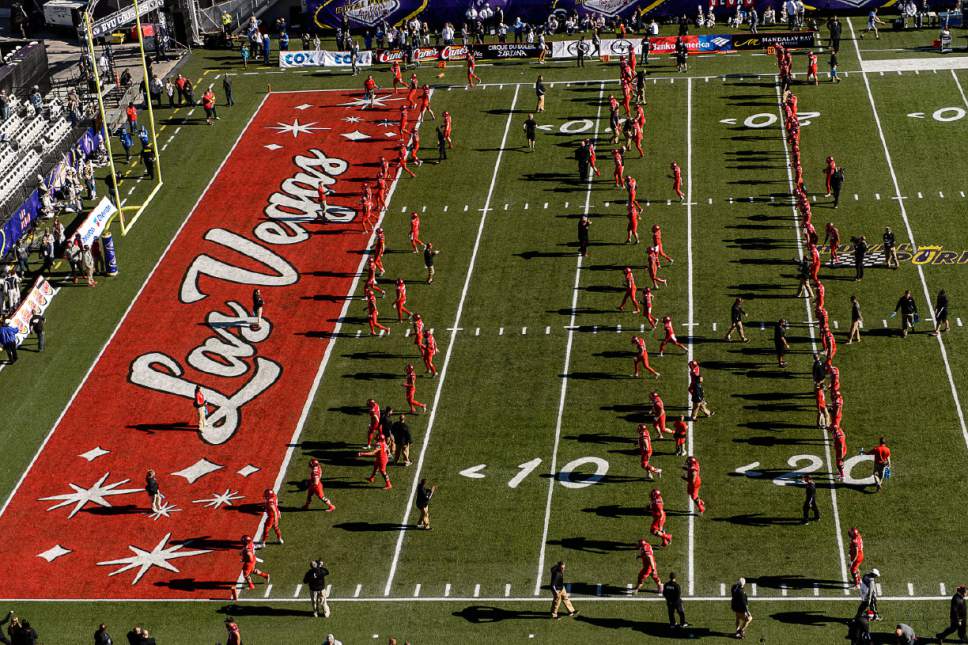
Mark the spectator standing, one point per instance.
(189, 92)
(908, 310)
(127, 143)
(736, 315)
(258, 304)
(424, 493)
(131, 113)
(37, 322)
(153, 490)
(856, 320)
(429, 253)
(87, 265)
(860, 252)
(957, 615)
(672, 593)
(941, 323)
(245, 53)
(227, 90)
(208, 104)
(101, 636)
(810, 500)
(170, 92)
(559, 593)
(148, 159)
(581, 51)
(540, 91)
(48, 251)
(837, 178)
(530, 128)
(868, 594)
(583, 224)
(157, 89)
(890, 249)
(402, 439)
(905, 634)
(266, 47)
(315, 579)
(740, 605)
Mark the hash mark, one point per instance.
(710, 200)
(424, 210)
(403, 210)
(722, 588)
(466, 207)
(783, 590)
(268, 591)
(446, 207)
(877, 196)
(548, 331)
(507, 590)
(940, 194)
(754, 588)
(566, 204)
(958, 321)
(618, 329)
(506, 206)
(910, 589)
(920, 196)
(546, 204)
(525, 206)
(298, 589)
(524, 331)
(447, 590)
(500, 331)
(416, 590)
(816, 589)
(359, 588)
(884, 322)
(406, 334)
(836, 325)
(856, 197)
(477, 590)
(595, 329)
(359, 332)
(942, 589)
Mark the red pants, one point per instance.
(401, 309)
(412, 401)
(375, 324)
(619, 176)
(629, 296)
(677, 187)
(648, 571)
(428, 360)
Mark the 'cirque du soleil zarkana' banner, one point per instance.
(369, 14)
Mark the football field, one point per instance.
(531, 422)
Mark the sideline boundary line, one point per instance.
(477, 600)
(689, 349)
(813, 343)
(910, 232)
(552, 480)
(131, 304)
(450, 350)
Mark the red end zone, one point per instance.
(79, 525)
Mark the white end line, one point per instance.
(910, 232)
(564, 379)
(450, 352)
(813, 339)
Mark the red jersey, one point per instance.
(692, 470)
(680, 430)
(629, 281)
(667, 323)
(617, 156)
(431, 345)
(821, 399)
(411, 379)
(645, 440)
(402, 293)
(647, 555)
(647, 299)
(639, 344)
(272, 505)
(882, 454)
(395, 68)
(315, 474)
(658, 406)
(657, 507)
(248, 552)
(369, 85)
(856, 545)
(447, 119)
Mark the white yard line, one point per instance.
(813, 339)
(450, 351)
(564, 378)
(961, 90)
(124, 317)
(910, 232)
(689, 349)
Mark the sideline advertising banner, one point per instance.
(96, 220)
(323, 58)
(39, 298)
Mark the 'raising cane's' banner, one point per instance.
(80, 524)
(37, 299)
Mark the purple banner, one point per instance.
(24, 217)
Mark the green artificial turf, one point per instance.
(510, 272)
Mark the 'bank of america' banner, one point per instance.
(368, 14)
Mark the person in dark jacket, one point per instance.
(957, 614)
(315, 579)
(810, 499)
(8, 338)
(672, 593)
(583, 224)
(559, 592)
(402, 439)
(860, 252)
(425, 491)
(101, 636)
(583, 157)
(941, 323)
(37, 321)
(837, 185)
(908, 310)
(819, 371)
(740, 605)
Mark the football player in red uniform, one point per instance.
(248, 566)
(856, 553)
(670, 336)
(314, 486)
(380, 460)
(273, 514)
(644, 443)
(641, 358)
(630, 291)
(648, 570)
(658, 415)
(429, 352)
(410, 388)
(657, 511)
(693, 482)
(400, 304)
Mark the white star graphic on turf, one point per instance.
(272, 146)
(53, 553)
(159, 557)
(219, 499)
(295, 128)
(355, 135)
(390, 134)
(197, 470)
(352, 119)
(165, 510)
(94, 453)
(387, 123)
(96, 494)
(377, 102)
(304, 106)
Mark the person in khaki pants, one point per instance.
(558, 592)
(424, 493)
(739, 603)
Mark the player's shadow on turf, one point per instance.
(658, 630)
(368, 356)
(601, 547)
(129, 509)
(192, 585)
(809, 619)
(794, 582)
(246, 609)
(531, 255)
(773, 426)
(758, 519)
(771, 442)
(372, 527)
(206, 542)
(372, 376)
(597, 438)
(614, 511)
(483, 614)
(324, 334)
